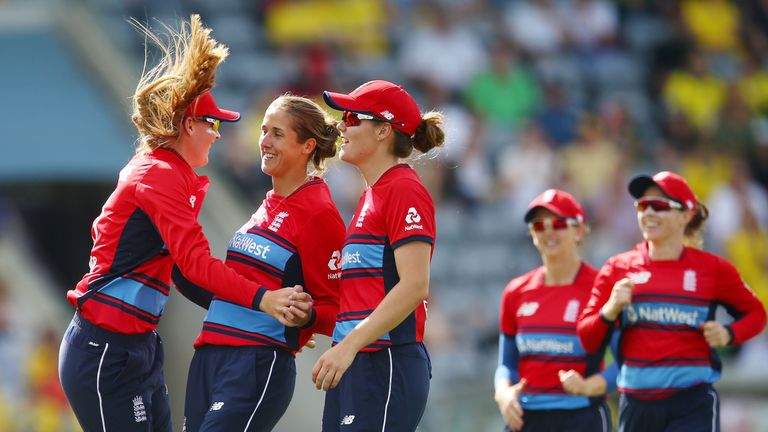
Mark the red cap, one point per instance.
(673, 186)
(205, 106)
(381, 99)
(560, 203)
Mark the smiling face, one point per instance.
(195, 140)
(554, 240)
(658, 226)
(281, 151)
(359, 143)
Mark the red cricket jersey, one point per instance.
(293, 240)
(662, 347)
(541, 320)
(396, 210)
(148, 224)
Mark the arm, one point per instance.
(163, 195)
(412, 261)
(593, 328)
(192, 292)
(508, 388)
(741, 303)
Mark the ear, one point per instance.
(309, 146)
(187, 125)
(384, 132)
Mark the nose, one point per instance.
(341, 126)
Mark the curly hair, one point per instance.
(186, 70)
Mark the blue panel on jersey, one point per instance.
(552, 401)
(137, 294)
(549, 344)
(362, 256)
(253, 321)
(260, 249)
(343, 328)
(665, 313)
(665, 377)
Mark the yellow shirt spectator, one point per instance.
(754, 90)
(713, 23)
(699, 98)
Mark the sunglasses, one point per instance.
(657, 204)
(552, 223)
(354, 119)
(215, 123)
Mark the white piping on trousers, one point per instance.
(98, 391)
(266, 385)
(714, 410)
(389, 391)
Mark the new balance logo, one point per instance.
(639, 277)
(216, 406)
(527, 309)
(347, 420)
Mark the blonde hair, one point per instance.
(311, 121)
(694, 230)
(187, 69)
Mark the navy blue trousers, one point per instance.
(594, 418)
(114, 382)
(238, 388)
(384, 390)
(694, 410)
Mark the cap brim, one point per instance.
(225, 115)
(529, 213)
(343, 102)
(639, 184)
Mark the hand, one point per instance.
(299, 310)
(573, 383)
(621, 295)
(274, 303)
(331, 366)
(508, 400)
(716, 334)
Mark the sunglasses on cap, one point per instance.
(552, 223)
(354, 119)
(215, 123)
(657, 204)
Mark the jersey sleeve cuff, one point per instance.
(257, 298)
(605, 320)
(732, 341)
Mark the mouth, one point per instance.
(267, 156)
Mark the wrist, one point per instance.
(731, 335)
(258, 299)
(608, 312)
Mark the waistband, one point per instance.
(113, 337)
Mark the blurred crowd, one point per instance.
(574, 94)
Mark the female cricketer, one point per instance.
(545, 380)
(111, 358)
(377, 372)
(661, 296)
(243, 371)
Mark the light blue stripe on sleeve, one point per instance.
(231, 315)
(549, 344)
(665, 377)
(362, 255)
(137, 294)
(552, 401)
(343, 328)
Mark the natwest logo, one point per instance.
(335, 262)
(412, 216)
(351, 258)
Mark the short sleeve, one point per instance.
(410, 214)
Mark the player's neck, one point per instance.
(375, 168)
(561, 270)
(285, 185)
(665, 250)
